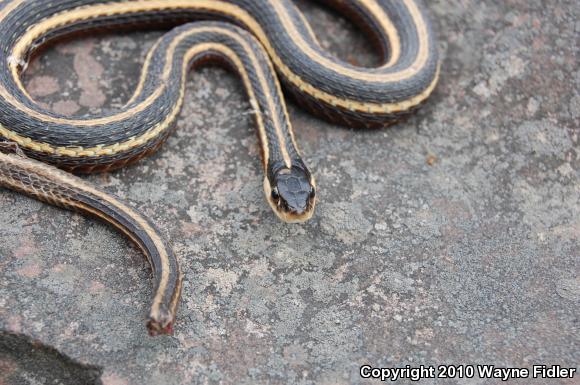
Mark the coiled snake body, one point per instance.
(256, 39)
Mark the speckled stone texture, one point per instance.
(450, 238)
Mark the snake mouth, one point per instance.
(295, 217)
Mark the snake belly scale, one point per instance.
(263, 41)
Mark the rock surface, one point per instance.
(451, 238)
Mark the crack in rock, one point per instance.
(24, 360)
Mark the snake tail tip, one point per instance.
(155, 329)
(160, 323)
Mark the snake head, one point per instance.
(291, 192)
(160, 322)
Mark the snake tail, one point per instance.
(62, 189)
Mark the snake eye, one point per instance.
(275, 194)
(312, 192)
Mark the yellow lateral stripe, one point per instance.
(113, 149)
(244, 17)
(79, 185)
(389, 29)
(9, 8)
(102, 150)
(413, 69)
(144, 71)
(155, 131)
(112, 118)
(97, 150)
(251, 94)
(285, 109)
(385, 22)
(79, 122)
(93, 11)
(243, 73)
(268, 94)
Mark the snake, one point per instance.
(269, 44)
